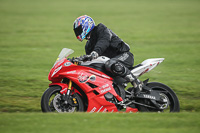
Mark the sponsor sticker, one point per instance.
(104, 86)
(84, 77)
(105, 90)
(93, 110)
(57, 69)
(71, 72)
(67, 64)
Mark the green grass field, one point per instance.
(100, 122)
(32, 33)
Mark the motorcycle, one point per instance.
(85, 86)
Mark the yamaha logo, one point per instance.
(149, 96)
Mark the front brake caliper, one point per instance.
(74, 100)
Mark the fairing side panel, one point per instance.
(94, 84)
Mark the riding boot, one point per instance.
(137, 85)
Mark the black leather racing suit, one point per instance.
(106, 43)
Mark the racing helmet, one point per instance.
(82, 26)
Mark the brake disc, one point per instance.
(166, 100)
(61, 105)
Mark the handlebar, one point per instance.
(82, 58)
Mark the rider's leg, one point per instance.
(117, 68)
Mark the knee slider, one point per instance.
(118, 68)
(115, 67)
(109, 64)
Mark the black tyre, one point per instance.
(167, 93)
(52, 102)
(120, 91)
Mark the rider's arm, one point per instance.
(103, 39)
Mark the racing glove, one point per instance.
(94, 54)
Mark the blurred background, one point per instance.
(33, 32)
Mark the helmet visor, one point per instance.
(78, 31)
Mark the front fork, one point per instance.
(67, 96)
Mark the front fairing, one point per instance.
(93, 83)
(63, 68)
(59, 67)
(66, 69)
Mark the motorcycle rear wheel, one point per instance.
(167, 93)
(51, 101)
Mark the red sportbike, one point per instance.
(86, 86)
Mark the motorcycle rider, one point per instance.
(101, 41)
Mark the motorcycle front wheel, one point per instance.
(52, 101)
(172, 102)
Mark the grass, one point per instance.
(100, 122)
(32, 33)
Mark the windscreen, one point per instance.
(65, 52)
